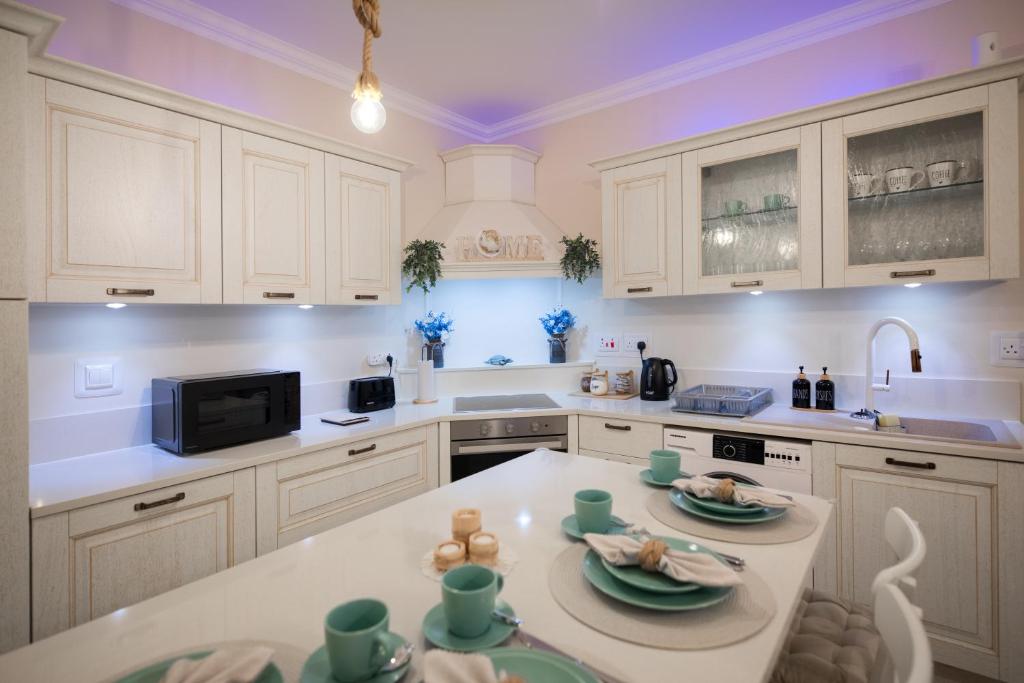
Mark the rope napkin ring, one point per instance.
(650, 555)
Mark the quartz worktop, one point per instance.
(66, 484)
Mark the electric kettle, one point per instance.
(657, 378)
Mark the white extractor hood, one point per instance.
(490, 225)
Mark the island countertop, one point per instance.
(283, 596)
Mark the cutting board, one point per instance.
(610, 397)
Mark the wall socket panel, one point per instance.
(1007, 349)
(377, 359)
(607, 343)
(630, 341)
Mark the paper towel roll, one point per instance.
(425, 389)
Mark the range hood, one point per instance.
(489, 225)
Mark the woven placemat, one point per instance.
(745, 612)
(797, 523)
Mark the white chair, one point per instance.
(905, 538)
(902, 631)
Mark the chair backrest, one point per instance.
(907, 541)
(902, 631)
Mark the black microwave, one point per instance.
(195, 413)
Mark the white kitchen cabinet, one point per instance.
(619, 440)
(94, 560)
(641, 207)
(952, 213)
(972, 532)
(124, 200)
(752, 213)
(273, 220)
(364, 233)
(310, 493)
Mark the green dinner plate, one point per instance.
(602, 580)
(656, 582)
(155, 672)
(721, 508)
(317, 668)
(648, 478)
(684, 504)
(572, 528)
(536, 665)
(435, 629)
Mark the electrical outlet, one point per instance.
(1007, 349)
(378, 358)
(607, 343)
(629, 341)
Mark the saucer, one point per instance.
(317, 668)
(648, 478)
(572, 528)
(435, 630)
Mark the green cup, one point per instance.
(775, 202)
(735, 207)
(355, 633)
(468, 594)
(664, 465)
(593, 510)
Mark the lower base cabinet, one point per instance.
(310, 493)
(626, 441)
(94, 560)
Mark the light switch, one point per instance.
(98, 377)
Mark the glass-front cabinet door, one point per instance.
(752, 213)
(922, 191)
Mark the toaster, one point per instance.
(366, 394)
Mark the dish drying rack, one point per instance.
(722, 399)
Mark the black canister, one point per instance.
(801, 390)
(825, 392)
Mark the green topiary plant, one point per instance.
(581, 258)
(422, 264)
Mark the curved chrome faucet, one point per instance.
(868, 411)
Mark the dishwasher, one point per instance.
(774, 463)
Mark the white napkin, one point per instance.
(684, 567)
(440, 666)
(230, 665)
(704, 487)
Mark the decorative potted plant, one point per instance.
(557, 324)
(422, 264)
(435, 330)
(580, 259)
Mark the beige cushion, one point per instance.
(831, 641)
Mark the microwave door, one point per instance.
(231, 411)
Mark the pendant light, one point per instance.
(367, 112)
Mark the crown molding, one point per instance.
(232, 33)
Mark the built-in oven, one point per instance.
(477, 445)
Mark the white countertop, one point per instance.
(67, 484)
(283, 596)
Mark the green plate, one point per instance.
(602, 580)
(536, 665)
(712, 505)
(572, 528)
(684, 503)
(155, 672)
(435, 629)
(658, 582)
(648, 478)
(317, 668)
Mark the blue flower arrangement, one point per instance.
(558, 321)
(435, 327)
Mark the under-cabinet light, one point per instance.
(116, 305)
(912, 285)
(756, 292)
(305, 307)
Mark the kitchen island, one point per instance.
(283, 596)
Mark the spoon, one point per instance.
(399, 659)
(507, 619)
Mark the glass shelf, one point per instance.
(767, 213)
(942, 190)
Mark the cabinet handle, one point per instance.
(928, 272)
(748, 283)
(360, 451)
(618, 428)
(907, 463)
(637, 290)
(157, 503)
(278, 295)
(117, 291)
(367, 297)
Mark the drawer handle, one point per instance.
(118, 291)
(928, 272)
(157, 503)
(749, 283)
(367, 297)
(360, 451)
(907, 463)
(619, 428)
(637, 290)
(278, 295)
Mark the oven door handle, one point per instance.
(505, 447)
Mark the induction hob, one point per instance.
(473, 404)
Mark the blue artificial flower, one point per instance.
(435, 327)
(558, 321)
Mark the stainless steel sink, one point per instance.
(948, 429)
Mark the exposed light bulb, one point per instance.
(116, 305)
(756, 292)
(912, 285)
(368, 114)
(305, 307)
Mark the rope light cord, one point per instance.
(368, 15)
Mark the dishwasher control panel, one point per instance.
(738, 449)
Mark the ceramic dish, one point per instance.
(435, 630)
(155, 672)
(683, 503)
(648, 478)
(653, 582)
(601, 579)
(572, 528)
(317, 668)
(717, 506)
(535, 665)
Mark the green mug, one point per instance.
(776, 202)
(355, 633)
(735, 207)
(664, 465)
(468, 595)
(593, 510)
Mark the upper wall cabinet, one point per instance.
(124, 200)
(752, 213)
(364, 237)
(924, 190)
(273, 221)
(642, 229)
